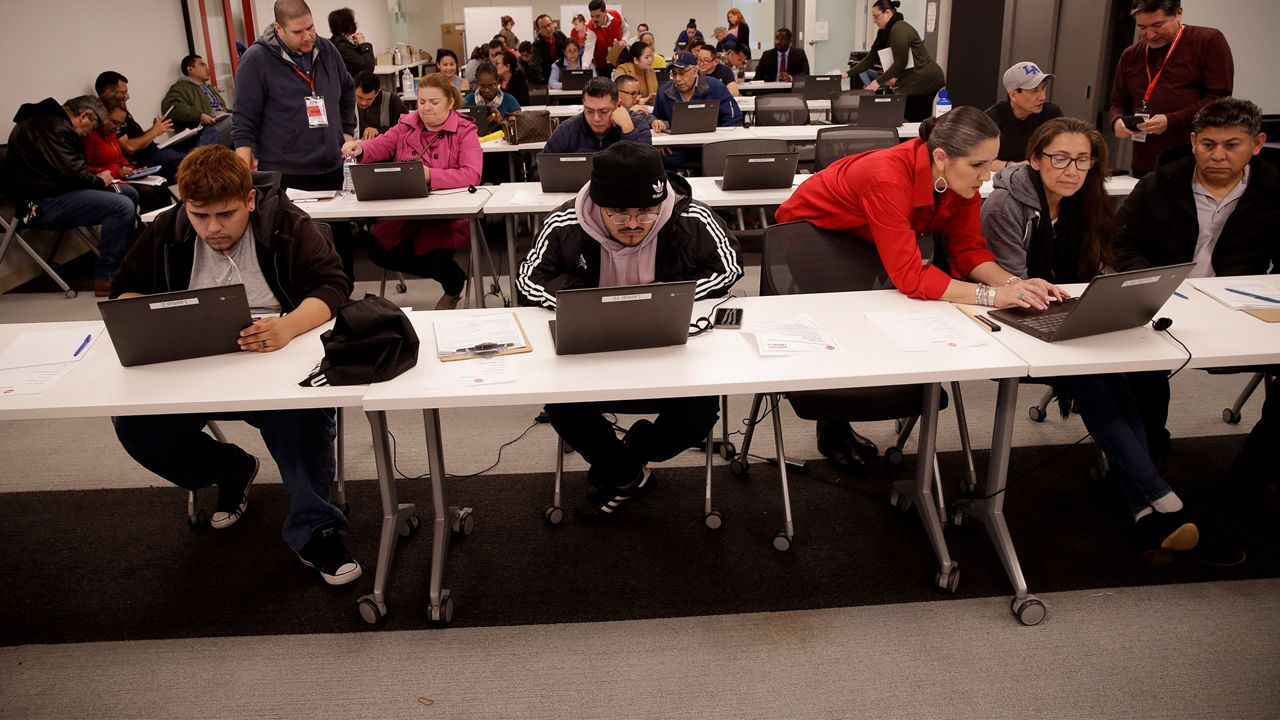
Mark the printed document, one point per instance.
(32, 380)
(459, 335)
(46, 347)
(925, 331)
(790, 336)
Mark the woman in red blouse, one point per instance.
(102, 152)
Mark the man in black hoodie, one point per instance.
(45, 167)
(229, 232)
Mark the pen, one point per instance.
(1253, 295)
(1175, 292)
(83, 345)
(166, 113)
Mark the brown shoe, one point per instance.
(448, 302)
(102, 287)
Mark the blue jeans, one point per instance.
(301, 442)
(114, 211)
(1110, 413)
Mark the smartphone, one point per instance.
(730, 318)
(1132, 121)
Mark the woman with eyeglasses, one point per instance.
(921, 81)
(1051, 218)
(641, 68)
(572, 60)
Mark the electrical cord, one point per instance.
(396, 468)
(1184, 349)
(704, 323)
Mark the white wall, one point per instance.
(1250, 28)
(371, 17)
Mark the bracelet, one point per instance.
(991, 296)
(1012, 279)
(978, 294)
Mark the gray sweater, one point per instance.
(1010, 216)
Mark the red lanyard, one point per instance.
(306, 77)
(1151, 82)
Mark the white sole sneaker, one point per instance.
(350, 572)
(223, 520)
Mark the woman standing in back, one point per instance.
(738, 34)
(913, 71)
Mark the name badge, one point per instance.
(316, 115)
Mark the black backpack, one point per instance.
(371, 341)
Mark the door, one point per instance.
(831, 29)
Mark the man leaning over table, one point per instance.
(632, 224)
(228, 232)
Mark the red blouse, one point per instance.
(887, 196)
(103, 152)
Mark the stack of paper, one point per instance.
(1240, 294)
(925, 331)
(178, 137)
(790, 336)
(36, 359)
(478, 335)
(297, 195)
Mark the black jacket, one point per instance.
(797, 64)
(693, 245)
(1158, 224)
(357, 58)
(542, 53)
(46, 155)
(296, 260)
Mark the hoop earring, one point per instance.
(944, 187)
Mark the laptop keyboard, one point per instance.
(1045, 323)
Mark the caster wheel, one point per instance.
(900, 501)
(401, 287)
(781, 542)
(1230, 417)
(738, 466)
(554, 515)
(71, 294)
(957, 519)
(444, 613)
(950, 581)
(1036, 413)
(714, 520)
(1029, 610)
(893, 455)
(464, 521)
(199, 520)
(727, 450)
(410, 527)
(371, 611)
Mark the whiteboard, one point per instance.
(482, 23)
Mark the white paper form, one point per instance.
(926, 331)
(297, 195)
(46, 347)
(472, 373)
(886, 58)
(529, 197)
(1237, 294)
(32, 380)
(790, 335)
(460, 335)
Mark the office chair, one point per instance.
(782, 109)
(838, 142)
(802, 258)
(844, 106)
(713, 161)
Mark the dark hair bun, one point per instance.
(896, 4)
(692, 23)
(926, 127)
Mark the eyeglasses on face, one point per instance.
(1060, 162)
(621, 218)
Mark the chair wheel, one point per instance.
(727, 450)
(71, 294)
(957, 518)
(950, 580)
(1036, 413)
(893, 455)
(1230, 417)
(714, 520)
(371, 611)
(554, 515)
(1029, 610)
(444, 613)
(464, 521)
(401, 287)
(781, 542)
(738, 466)
(900, 501)
(410, 527)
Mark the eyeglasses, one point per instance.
(1060, 162)
(487, 85)
(632, 93)
(602, 112)
(620, 219)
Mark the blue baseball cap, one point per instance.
(683, 59)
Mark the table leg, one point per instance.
(447, 519)
(511, 257)
(511, 166)
(397, 519)
(920, 489)
(477, 275)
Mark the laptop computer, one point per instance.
(663, 73)
(694, 117)
(575, 79)
(622, 318)
(882, 110)
(1111, 302)
(563, 172)
(758, 171)
(389, 181)
(820, 87)
(177, 325)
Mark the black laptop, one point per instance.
(1111, 302)
(882, 110)
(389, 181)
(480, 116)
(694, 117)
(663, 73)
(758, 171)
(177, 325)
(820, 87)
(575, 79)
(563, 172)
(630, 317)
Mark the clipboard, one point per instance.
(488, 350)
(1271, 316)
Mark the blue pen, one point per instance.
(83, 345)
(1175, 292)
(1252, 295)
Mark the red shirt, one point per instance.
(605, 36)
(887, 196)
(103, 153)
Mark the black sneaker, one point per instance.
(836, 443)
(604, 501)
(327, 554)
(1162, 535)
(233, 500)
(639, 439)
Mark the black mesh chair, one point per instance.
(834, 143)
(782, 109)
(844, 106)
(801, 258)
(713, 160)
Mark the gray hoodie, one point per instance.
(1010, 216)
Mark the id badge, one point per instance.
(316, 115)
(1142, 137)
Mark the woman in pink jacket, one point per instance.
(449, 148)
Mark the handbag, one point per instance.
(371, 341)
(527, 126)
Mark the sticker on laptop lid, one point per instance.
(761, 160)
(1140, 281)
(173, 303)
(626, 298)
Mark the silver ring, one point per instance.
(1022, 296)
(264, 342)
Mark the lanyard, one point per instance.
(306, 77)
(1151, 82)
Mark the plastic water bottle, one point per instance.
(348, 187)
(406, 82)
(942, 105)
(396, 57)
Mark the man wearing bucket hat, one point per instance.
(1023, 113)
(632, 224)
